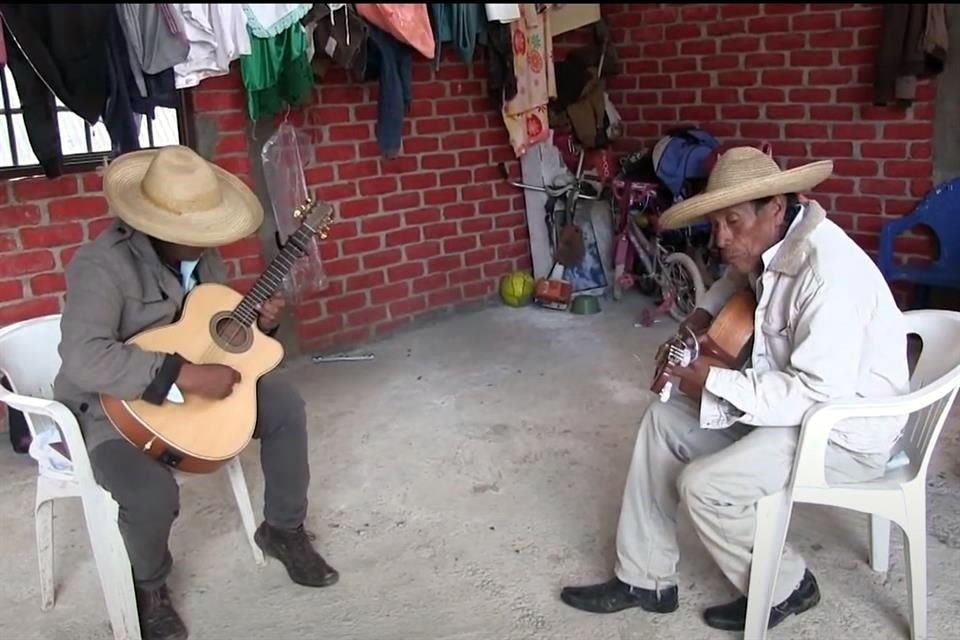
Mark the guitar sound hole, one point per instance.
(231, 335)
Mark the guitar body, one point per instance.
(727, 342)
(200, 435)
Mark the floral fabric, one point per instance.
(526, 116)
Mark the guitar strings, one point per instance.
(238, 325)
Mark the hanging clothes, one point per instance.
(118, 117)
(408, 23)
(156, 43)
(268, 20)
(154, 40)
(217, 34)
(277, 72)
(581, 102)
(503, 13)
(463, 24)
(57, 50)
(3, 49)
(913, 45)
(501, 79)
(526, 116)
(339, 35)
(390, 61)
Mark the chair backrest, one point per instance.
(937, 370)
(938, 211)
(29, 358)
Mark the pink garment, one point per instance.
(526, 116)
(408, 23)
(3, 48)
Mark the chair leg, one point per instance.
(879, 544)
(113, 565)
(44, 530)
(773, 521)
(239, 484)
(915, 549)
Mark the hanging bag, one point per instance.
(680, 160)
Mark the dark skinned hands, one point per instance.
(269, 312)
(698, 322)
(693, 377)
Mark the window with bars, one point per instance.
(84, 146)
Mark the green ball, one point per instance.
(516, 289)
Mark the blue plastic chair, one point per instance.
(940, 212)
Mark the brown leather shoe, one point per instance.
(158, 619)
(304, 565)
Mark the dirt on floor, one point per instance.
(460, 479)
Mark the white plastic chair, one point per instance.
(30, 360)
(900, 496)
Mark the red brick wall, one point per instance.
(435, 227)
(797, 75)
(427, 231)
(431, 229)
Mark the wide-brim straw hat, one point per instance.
(744, 174)
(175, 195)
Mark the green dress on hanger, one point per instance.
(277, 72)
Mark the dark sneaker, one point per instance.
(733, 616)
(158, 619)
(304, 565)
(615, 595)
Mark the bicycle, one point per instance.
(671, 272)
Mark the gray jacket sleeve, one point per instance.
(93, 356)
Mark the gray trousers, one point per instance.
(719, 475)
(149, 496)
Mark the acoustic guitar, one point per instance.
(727, 342)
(217, 326)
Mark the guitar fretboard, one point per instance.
(271, 279)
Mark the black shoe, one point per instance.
(614, 595)
(158, 619)
(304, 565)
(733, 616)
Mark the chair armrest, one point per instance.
(64, 419)
(820, 419)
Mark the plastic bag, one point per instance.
(284, 155)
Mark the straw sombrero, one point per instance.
(173, 194)
(740, 175)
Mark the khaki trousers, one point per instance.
(719, 475)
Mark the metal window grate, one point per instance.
(83, 145)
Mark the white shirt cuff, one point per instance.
(715, 411)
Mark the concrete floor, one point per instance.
(459, 480)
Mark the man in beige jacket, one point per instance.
(826, 327)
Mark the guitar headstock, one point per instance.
(316, 216)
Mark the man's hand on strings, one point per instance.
(269, 312)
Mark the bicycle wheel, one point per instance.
(682, 274)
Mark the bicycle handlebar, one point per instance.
(555, 192)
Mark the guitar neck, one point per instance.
(271, 280)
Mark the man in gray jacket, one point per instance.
(826, 328)
(174, 209)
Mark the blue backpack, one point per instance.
(679, 160)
